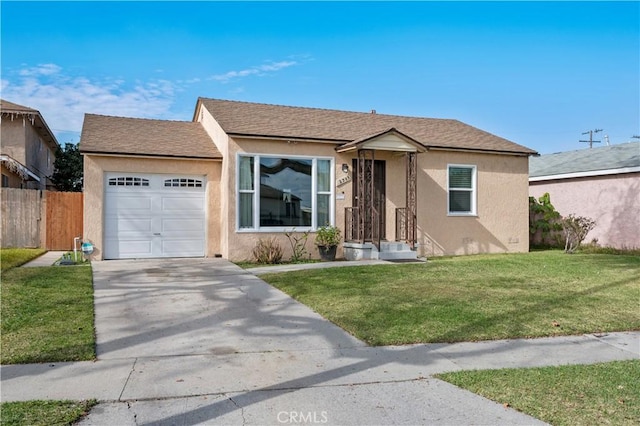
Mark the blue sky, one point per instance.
(536, 73)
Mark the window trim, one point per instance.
(473, 190)
(256, 194)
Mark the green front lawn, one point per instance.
(47, 315)
(599, 394)
(44, 413)
(471, 298)
(13, 257)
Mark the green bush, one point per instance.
(328, 236)
(545, 228)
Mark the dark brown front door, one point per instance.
(379, 195)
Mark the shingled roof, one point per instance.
(341, 127)
(6, 106)
(600, 160)
(103, 134)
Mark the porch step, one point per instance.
(396, 251)
(389, 250)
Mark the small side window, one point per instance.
(462, 190)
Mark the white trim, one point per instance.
(591, 173)
(256, 194)
(473, 190)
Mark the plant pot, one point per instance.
(327, 253)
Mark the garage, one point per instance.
(154, 215)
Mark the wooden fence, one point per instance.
(63, 220)
(21, 215)
(34, 218)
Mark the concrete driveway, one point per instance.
(200, 341)
(156, 308)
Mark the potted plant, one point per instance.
(327, 240)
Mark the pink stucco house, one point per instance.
(600, 183)
(397, 187)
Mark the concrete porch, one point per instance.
(389, 250)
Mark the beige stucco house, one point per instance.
(396, 186)
(27, 148)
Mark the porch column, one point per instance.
(412, 198)
(365, 194)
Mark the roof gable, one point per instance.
(37, 120)
(387, 140)
(341, 127)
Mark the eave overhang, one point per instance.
(37, 121)
(155, 156)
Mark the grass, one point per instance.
(47, 315)
(598, 394)
(471, 298)
(44, 413)
(596, 249)
(13, 257)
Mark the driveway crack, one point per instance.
(244, 420)
(132, 411)
(133, 368)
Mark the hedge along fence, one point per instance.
(34, 218)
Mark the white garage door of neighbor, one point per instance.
(154, 215)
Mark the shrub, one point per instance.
(267, 251)
(545, 228)
(328, 236)
(298, 246)
(575, 230)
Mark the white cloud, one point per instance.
(63, 100)
(41, 69)
(258, 70)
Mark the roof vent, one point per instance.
(373, 111)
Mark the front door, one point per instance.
(379, 194)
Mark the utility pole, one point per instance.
(590, 133)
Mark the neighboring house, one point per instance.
(600, 183)
(27, 148)
(243, 171)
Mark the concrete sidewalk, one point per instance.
(359, 385)
(47, 259)
(318, 265)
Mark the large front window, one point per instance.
(284, 192)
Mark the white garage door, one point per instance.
(154, 215)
